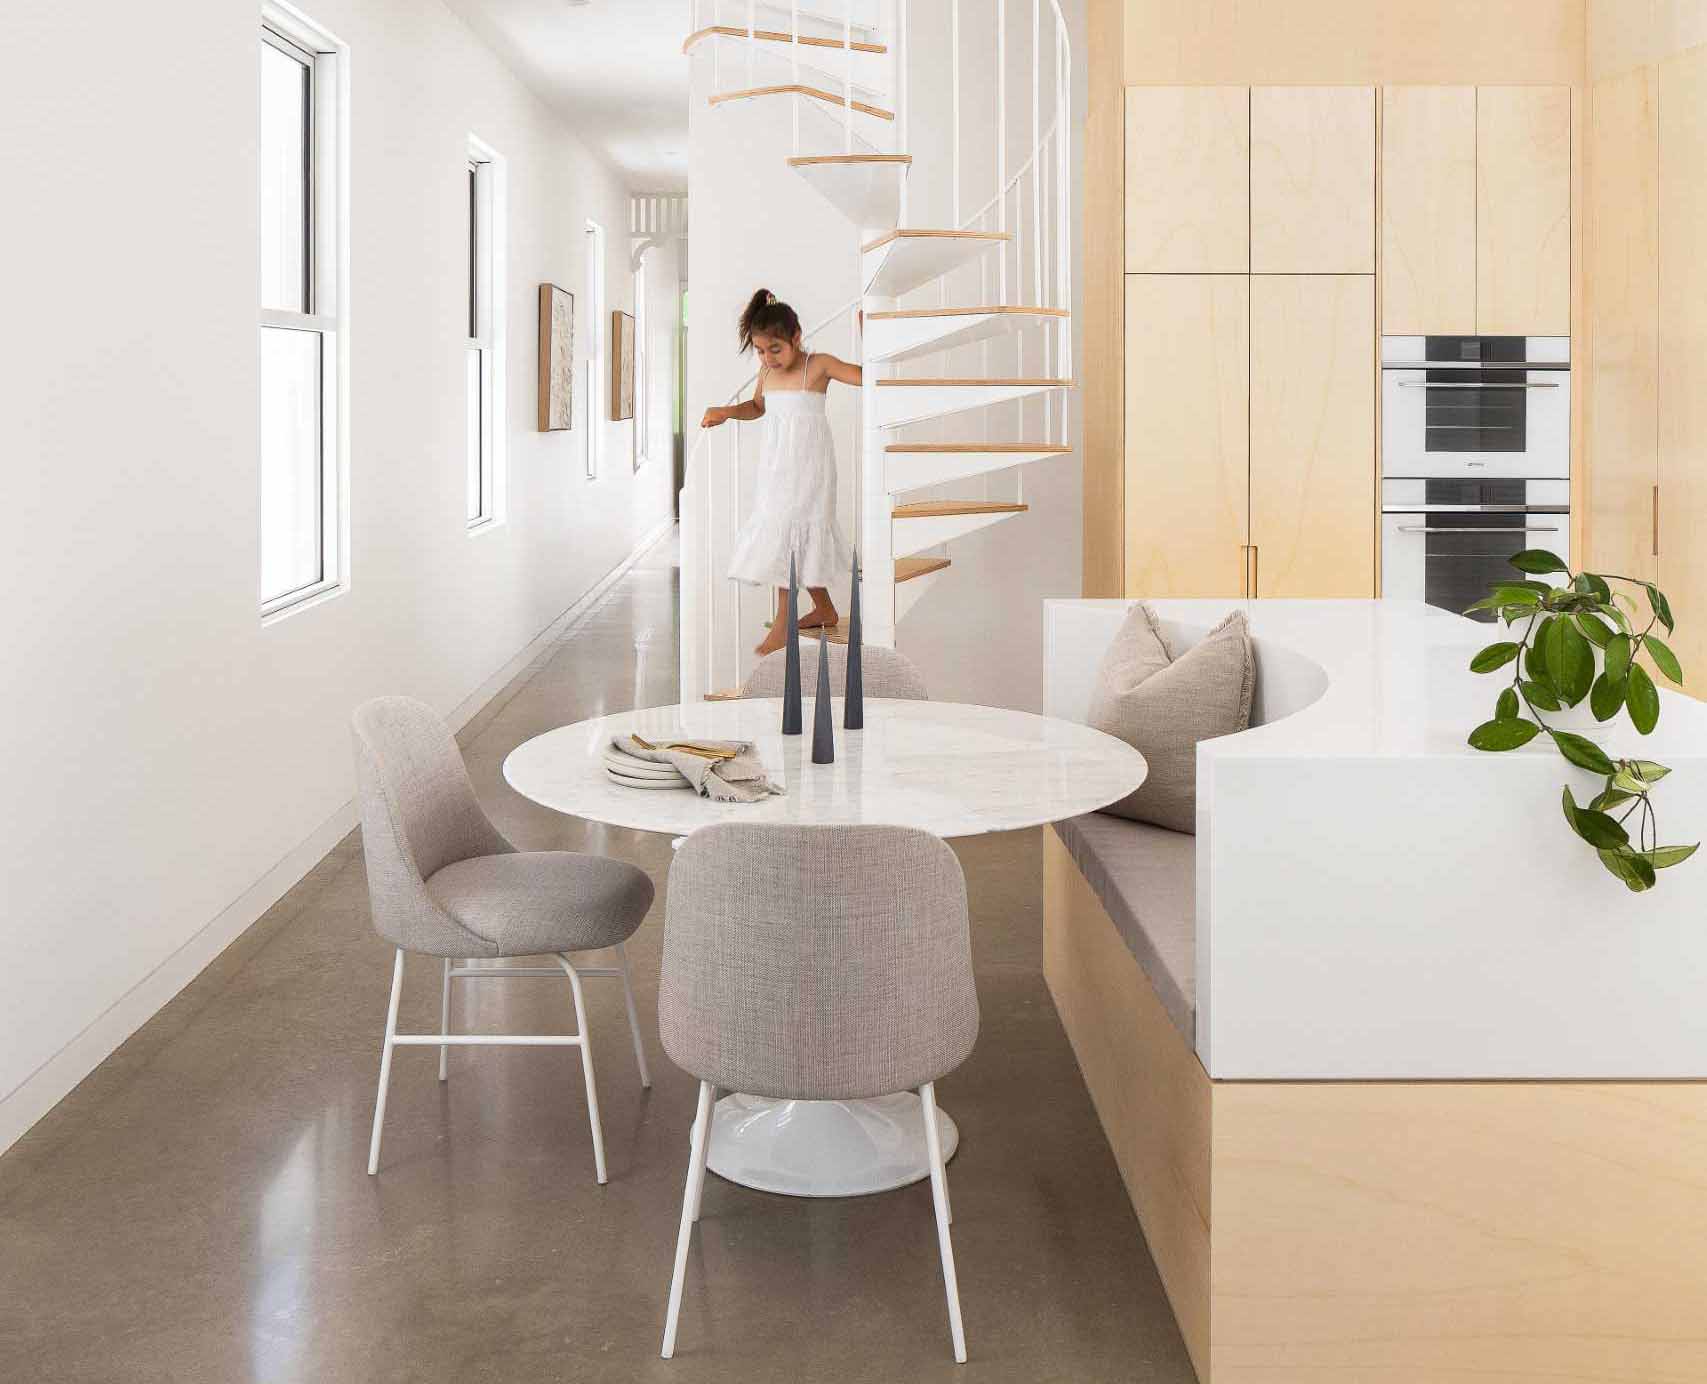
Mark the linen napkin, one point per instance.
(726, 771)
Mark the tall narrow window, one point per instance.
(301, 314)
(484, 366)
(640, 380)
(598, 404)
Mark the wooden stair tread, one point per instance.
(884, 239)
(978, 447)
(801, 89)
(963, 312)
(838, 633)
(942, 509)
(906, 568)
(776, 36)
(809, 160)
(897, 384)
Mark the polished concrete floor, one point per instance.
(198, 1210)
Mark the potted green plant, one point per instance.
(1579, 648)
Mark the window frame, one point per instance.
(597, 399)
(488, 272)
(326, 279)
(642, 433)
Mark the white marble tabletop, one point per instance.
(945, 767)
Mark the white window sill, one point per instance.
(304, 600)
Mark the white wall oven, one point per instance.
(1475, 460)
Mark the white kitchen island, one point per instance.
(1438, 1107)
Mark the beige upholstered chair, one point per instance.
(443, 882)
(816, 963)
(884, 672)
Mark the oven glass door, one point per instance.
(1441, 422)
(1451, 559)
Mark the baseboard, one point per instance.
(56, 1078)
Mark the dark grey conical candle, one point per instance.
(791, 720)
(823, 735)
(853, 707)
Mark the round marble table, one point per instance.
(945, 767)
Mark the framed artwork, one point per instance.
(556, 358)
(622, 366)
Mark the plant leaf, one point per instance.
(1664, 659)
(1538, 560)
(1636, 873)
(1667, 856)
(1610, 797)
(1618, 654)
(1494, 656)
(1503, 735)
(1598, 631)
(1570, 660)
(1594, 826)
(1643, 699)
(1516, 595)
(1605, 697)
(1662, 607)
(1540, 697)
(1651, 773)
(1591, 584)
(1507, 707)
(1584, 753)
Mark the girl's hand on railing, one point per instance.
(714, 417)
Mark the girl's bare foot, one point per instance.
(813, 619)
(774, 639)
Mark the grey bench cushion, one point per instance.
(1146, 877)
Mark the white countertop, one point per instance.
(1375, 899)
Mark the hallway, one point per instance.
(197, 1211)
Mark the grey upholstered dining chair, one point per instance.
(816, 963)
(444, 882)
(884, 672)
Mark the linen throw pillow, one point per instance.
(1162, 706)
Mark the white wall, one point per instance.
(978, 634)
(170, 765)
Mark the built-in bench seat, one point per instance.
(1146, 877)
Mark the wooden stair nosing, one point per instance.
(899, 314)
(884, 239)
(801, 89)
(906, 568)
(814, 160)
(937, 448)
(949, 509)
(894, 384)
(777, 36)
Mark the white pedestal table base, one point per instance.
(824, 1148)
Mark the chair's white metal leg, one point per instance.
(699, 1182)
(939, 1194)
(633, 1017)
(696, 1170)
(444, 1023)
(587, 1066)
(385, 1063)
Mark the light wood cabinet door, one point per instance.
(1313, 434)
(1313, 180)
(1188, 157)
(1683, 355)
(1523, 211)
(1624, 267)
(1187, 433)
(1428, 211)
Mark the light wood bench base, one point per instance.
(1401, 1232)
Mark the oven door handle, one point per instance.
(1433, 528)
(1443, 384)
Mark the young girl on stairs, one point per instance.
(795, 513)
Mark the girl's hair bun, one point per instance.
(767, 315)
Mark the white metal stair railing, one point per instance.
(1001, 274)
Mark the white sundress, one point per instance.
(795, 509)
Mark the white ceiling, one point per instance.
(614, 68)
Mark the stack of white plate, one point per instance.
(631, 771)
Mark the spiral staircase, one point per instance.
(993, 284)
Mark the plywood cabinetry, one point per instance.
(1523, 211)
(1187, 180)
(1313, 434)
(1428, 210)
(1312, 173)
(1187, 433)
(1683, 353)
(1623, 267)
